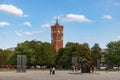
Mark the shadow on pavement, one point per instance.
(79, 73)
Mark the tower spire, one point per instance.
(57, 20)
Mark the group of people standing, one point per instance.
(91, 68)
(84, 69)
(52, 71)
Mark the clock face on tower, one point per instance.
(58, 31)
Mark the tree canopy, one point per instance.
(96, 54)
(38, 53)
(5, 57)
(64, 57)
(112, 56)
(43, 53)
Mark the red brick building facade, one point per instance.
(57, 36)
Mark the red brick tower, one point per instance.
(57, 36)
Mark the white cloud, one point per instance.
(107, 17)
(28, 33)
(75, 18)
(3, 24)
(21, 33)
(27, 24)
(46, 25)
(25, 15)
(117, 4)
(11, 9)
(114, 4)
(36, 32)
(118, 37)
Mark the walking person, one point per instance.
(92, 68)
(53, 70)
(50, 70)
(106, 68)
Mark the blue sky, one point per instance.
(90, 21)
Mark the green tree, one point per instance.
(1, 52)
(48, 54)
(64, 57)
(5, 56)
(96, 54)
(112, 56)
(38, 53)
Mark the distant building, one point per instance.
(11, 49)
(57, 36)
(103, 52)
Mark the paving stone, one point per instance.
(59, 75)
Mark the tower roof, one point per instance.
(57, 21)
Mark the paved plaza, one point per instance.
(60, 75)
